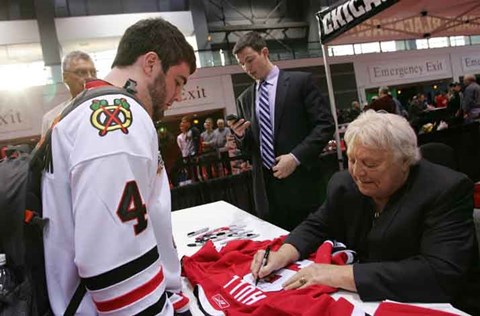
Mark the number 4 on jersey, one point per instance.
(132, 208)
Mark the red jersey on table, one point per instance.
(224, 285)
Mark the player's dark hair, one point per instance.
(155, 35)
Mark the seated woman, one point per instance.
(410, 221)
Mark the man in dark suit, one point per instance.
(284, 124)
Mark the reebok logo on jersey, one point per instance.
(220, 301)
(107, 118)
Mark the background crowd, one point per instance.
(460, 103)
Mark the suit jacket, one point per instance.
(420, 249)
(303, 126)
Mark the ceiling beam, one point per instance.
(257, 27)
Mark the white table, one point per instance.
(218, 214)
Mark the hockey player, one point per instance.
(106, 194)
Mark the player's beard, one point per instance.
(158, 95)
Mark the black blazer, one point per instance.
(303, 126)
(420, 249)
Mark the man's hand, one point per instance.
(323, 274)
(239, 127)
(286, 165)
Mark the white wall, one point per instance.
(205, 93)
(21, 112)
(19, 32)
(436, 64)
(465, 60)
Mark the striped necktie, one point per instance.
(266, 130)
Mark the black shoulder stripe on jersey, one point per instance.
(154, 309)
(123, 272)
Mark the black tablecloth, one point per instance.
(235, 189)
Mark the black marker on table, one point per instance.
(264, 262)
(197, 232)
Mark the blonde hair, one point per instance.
(386, 131)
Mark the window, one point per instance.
(389, 46)
(422, 43)
(340, 50)
(457, 41)
(436, 42)
(366, 48)
(23, 75)
(475, 39)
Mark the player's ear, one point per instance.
(150, 60)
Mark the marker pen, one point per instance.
(197, 232)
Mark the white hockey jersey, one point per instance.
(108, 202)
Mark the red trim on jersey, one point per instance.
(181, 303)
(27, 216)
(132, 296)
(96, 83)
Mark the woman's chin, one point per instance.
(367, 189)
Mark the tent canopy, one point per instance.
(360, 21)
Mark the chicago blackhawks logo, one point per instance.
(107, 118)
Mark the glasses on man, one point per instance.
(84, 73)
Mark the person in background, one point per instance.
(77, 66)
(383, 102)
(353, 112)
(399, 108)
(208, 136)
(441, 100)
(182, 139)
(412, 244)
(284, 124)
(192, 148)
(471, 98)
(106, 195)
(167, 145)
(221, 134)
(455, 99)
(223, 165)
(192, 137)
(418, 106)
(208, 159)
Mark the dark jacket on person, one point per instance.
(471, 97)
(454, 103)
(385, 103)
(421, 248)
(303, 125)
